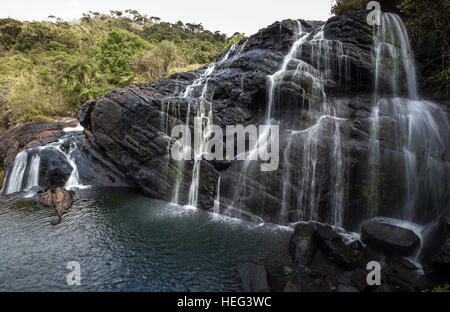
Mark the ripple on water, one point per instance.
(124, 241)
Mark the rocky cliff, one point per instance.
(318, 77)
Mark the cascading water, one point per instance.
(217, 201)
(204, 113)
(410, 133)
(14, 180)
(300, 193)
(23, 174)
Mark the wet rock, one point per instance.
(59, 199)
(403, 275)
(29, 135)
(334, 247)
(243, 215)
(302, 245)
(441, 262)
(435, 237)
(392, 239)
(253, 277)
(308, 237)
(54, 169)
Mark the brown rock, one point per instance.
(59, 199)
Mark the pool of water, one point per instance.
(127, 242)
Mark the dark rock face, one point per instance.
(302, 245)
(29, 135)
(334, 247)
(435, 236)
(308, 237)
(381, 233)
(441, 262)
(130, 127)
(54, 170)
(253, 277)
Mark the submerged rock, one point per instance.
(253, 277)
(382, 233)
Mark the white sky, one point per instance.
(228, 16)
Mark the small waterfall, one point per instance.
(23, 173)
(204, 111)
(414, 133)
(33, 177)
(217, 201)
(74, 178)
(14, 179)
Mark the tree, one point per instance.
(116, 50)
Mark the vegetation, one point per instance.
(445, 288)
(429, 24)
(2, 176)
(48, 69)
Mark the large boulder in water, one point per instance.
(54, 169)
(392, 239)
(59, 199)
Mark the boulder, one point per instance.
(382, 233)
(331, 242)
(334, 247)
(302, 245)
(253, 277)
(54, 169)
(59, 199)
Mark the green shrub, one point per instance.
(34, 36)
(342, 6)
(9, 30)
(116, 50)
(34, 116)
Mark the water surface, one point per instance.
(127, 242)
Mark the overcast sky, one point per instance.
(228, 16)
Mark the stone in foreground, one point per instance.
(384, 234)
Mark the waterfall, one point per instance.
(74, 178)
(217, 201)
(33, 178)
(23, 174)
(414, 133)
(204, 111)
(300, 191)
(14, 179)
